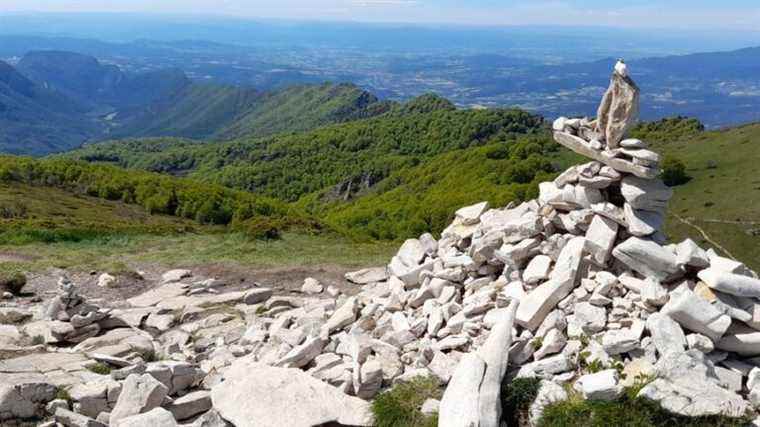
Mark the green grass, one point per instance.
(723, 195)
(53, 215)
(626, 412)
(399, 406)
(100, 368)
(292, 250)
(516, 398)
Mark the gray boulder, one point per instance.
(256, 395)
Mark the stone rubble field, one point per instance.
(578, 288)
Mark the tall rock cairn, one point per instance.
(595, 284)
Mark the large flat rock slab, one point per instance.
(257, 395)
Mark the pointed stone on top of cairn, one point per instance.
(602, 139)
(619, 109)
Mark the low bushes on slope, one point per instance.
(157, 194)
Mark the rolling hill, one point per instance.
(87, 101)
(59, 123)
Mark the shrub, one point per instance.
(400, 406)
(674, 172)
(625, 412)
(12, 282)
(100, 368)
(261, 228)
(516, 398)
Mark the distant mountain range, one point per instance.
(54, 101)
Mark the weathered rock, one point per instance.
(534, 307)
(647, 258)
(312, 286)
(139, 395)
(72, 419)
(158, 417)
(458, 407)
(584, 148)
(688, 253)
(601, 237)
(646, 194)
(24, 396)
(368, 275)
(619, 110)
(175, 275)
(733, 284)
(740, 339)
(548, 393)
(343, 316)
(538, 269)
(696, 314)
(13, 315)
(106, 280)
(190, 405)
(257, 295)
(686, 384)
(667, 335)
(602, 385)
(255, 395)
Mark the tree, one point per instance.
(674, 172)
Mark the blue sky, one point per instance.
(677, 14)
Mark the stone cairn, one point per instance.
(74, 319)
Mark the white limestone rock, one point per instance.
(255, 395)
(176, 275)
(686, 384)
(602, 385)
(700, 342)
(740, 339)
(311, 286)
(733, 284)
(538, 269)
(667, 335)
(549, 393)
(600, 238)
(139, 394)
(689, 254)
(647, 258)
(368, 275)
(696, 314)
(158, 417)
(646, 194)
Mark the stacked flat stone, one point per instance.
(74, 319)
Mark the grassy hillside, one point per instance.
(35, 119)
(48, 214)
(205, 204)
(302, 108)
(196, 111)
(722, 200)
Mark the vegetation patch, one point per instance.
(516, 397)
(100, 368)
(400, 406)
(628, 411)
(12, 281)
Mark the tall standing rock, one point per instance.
(619, 109)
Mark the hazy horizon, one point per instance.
(732, 15)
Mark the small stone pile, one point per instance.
(74, 319)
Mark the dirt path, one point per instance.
(284, 281)
(705, 235)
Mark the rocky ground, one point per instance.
(577, 288)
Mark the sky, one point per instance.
(673, 14)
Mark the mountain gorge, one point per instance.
(55, 101)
